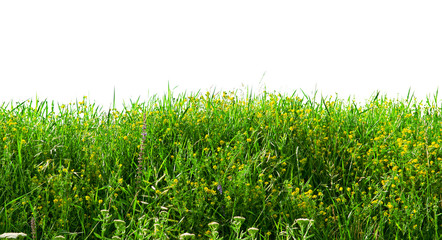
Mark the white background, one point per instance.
(63, 50)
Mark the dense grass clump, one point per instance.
(222, 166)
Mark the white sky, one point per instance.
(63, 50)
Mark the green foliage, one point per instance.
(291, 167)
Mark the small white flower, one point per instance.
(213, 226)
(187, 236)
(252, 231)
(239, 219)
(13, 235)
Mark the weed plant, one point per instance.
(221, 166)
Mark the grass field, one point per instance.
(223, 166)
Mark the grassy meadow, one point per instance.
(222, 166)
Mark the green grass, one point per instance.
(291, 167)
